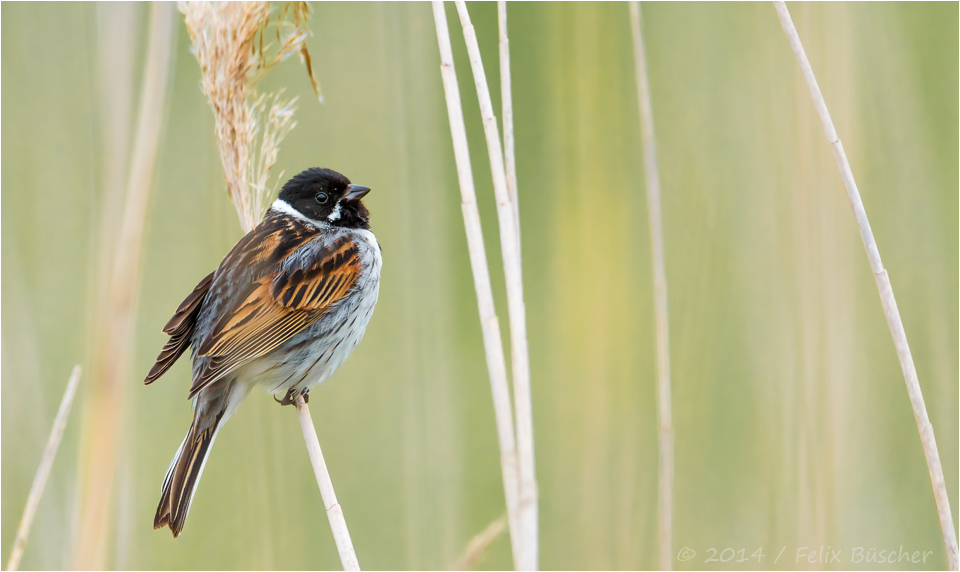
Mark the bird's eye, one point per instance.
(322, 198)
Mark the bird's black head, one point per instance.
(326, 196)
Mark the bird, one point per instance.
(283, 310)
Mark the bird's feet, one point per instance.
(291, 397)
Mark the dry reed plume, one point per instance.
(229, 43)
(234, 46)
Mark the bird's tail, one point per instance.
(184, 473)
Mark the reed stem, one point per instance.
(43, 471)
(510, 252)
(506, 97)
(665, 406)
(341, 536)
(887, 299)
(104, 404)
(490, 327)
(479, 544)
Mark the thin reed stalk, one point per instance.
(490, 327)
(510, 252)
(479, 544)
(341, 536)
(43, 471)
(887, 299)
(112, 348)
(665, 406)
(117, 39)
(506, 103)
(338, 524)
(224, 37)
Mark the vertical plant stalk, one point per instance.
(224, 37)
(887, 299)
(506, 97)
(521, 391)
(665, 406)
(103, 414)
(490, 327)
(510, 252)
(117, 59)
(43, 471)
(341, 536)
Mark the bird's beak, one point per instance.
(355, 193)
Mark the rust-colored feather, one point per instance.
(277, 306)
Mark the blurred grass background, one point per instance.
(792, 422)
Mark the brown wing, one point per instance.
(180, 327)
(276, 307)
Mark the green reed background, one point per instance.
(792, 422)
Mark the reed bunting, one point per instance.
(284, 310)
